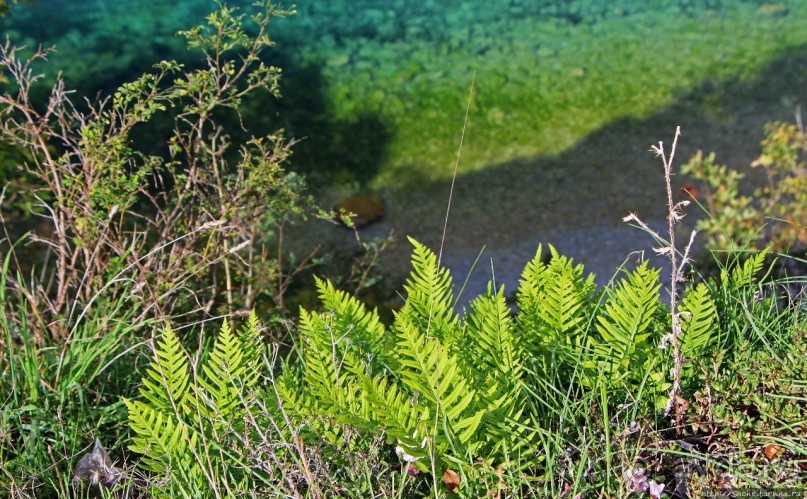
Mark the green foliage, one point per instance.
(446, 392)
(55, 396)
(775, 215)
(189, 424)
(497, 397)
(736, 291)
(206, 210)
(625, 350)
(699, 317)
(763, 402)
(555, 303)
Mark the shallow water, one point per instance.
(568, 96)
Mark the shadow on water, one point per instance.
(576, 199)
(330, 150)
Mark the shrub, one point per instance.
(776, 214)
(192, 230)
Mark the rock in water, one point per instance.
(365, 209)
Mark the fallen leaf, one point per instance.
(655, 489)
(452, 480)
(771, 450)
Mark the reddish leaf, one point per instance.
(771, 450)
(452, 480)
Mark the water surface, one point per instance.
(568, 97)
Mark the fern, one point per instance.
(162, 440)
(429, 295)
(554, 300)
(398, 413)
(623, 352)
(428, 370)
(190, 427)
(228, 376)
(699, 316)
(492, 350)
(342, 343)
(491, 344)
(744, 275)
(734, 293)
(166, 385)
(363, 330)
(437, 386)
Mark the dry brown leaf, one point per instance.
(771, 450)
(451, 479)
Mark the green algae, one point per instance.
(548, 74)
(542, 85)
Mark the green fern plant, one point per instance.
(446, 392)
(698, 333)
(624, 351)
(188, 426)
(555, 306)
(734, 292)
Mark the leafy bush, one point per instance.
(776, 214)
(131, 231)
(191, 228)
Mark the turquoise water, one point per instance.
(568, 96)
(392, 75)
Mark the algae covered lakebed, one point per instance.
(567, 98)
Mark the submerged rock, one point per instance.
(773, 10)
(365, 209)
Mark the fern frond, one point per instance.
(335, 389)
(429, 295)
(446, 395)
(429, 369)
(398, 412)
(252, 349)
(491, 348)
(189, 426)
(624, 325)
(361, 327)
(533, 279)
(554, 300)
(163, 440)
(291, 401)
(699, 315)
(745, 274)
(166, 384)
(489, 338)
(333, 360)
(227, 378)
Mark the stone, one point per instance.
(773, 10)
(97, 467)
(365, 209)
(339, 59)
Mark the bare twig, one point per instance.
(678, 262)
